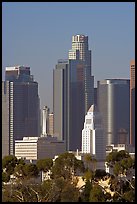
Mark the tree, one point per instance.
(31, 170)
(96, 194)
(88, 159)
(100, 173)
(8, 163)
(114, 157)
(121, 162)
(44, 164)
(5, 177)
(88, 175)
(69, 193)
(66, 166)
(86, 191)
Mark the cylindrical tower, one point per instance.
(45, 116)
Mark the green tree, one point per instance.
(88, 159)
(44, 164)
(96, 194)
(66, 166)
(100, 173)
(8, 163)
(88, 175)
(70, 193)
(5, 177)
(86, 191)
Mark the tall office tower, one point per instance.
(6, 139)
(51, 124)
(113, 104)
(132, 102)
(45, 121)
(81, 52)
(68, 102)
(60, 92)
(93, 138)
(20, 107)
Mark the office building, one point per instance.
(51, 124)
(20, 108)
(81, 51)
(33, 148)
(6, 139)
(73, 93)
(113, 104)
(60, 92)
(68, 102)
(93, 138)
(132, 102)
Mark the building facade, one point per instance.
(20, 103)
(132, 102)
(93, 138)
(113, 104)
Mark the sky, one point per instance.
(37, 34)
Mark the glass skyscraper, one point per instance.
(114, 105)
(80, 51)
(20, 107)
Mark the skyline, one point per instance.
(26, 40)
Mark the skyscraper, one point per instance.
(113, 104)
(60, 94)
(93, 138)
(132, 102)
(68, 102)
(20, 107)
(73, 93)
(80, 51)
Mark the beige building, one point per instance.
(51, 124)
(33, 148)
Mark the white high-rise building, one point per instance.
(45, 116)
(93, 138)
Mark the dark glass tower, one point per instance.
(20, 107)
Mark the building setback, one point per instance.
(113, 104)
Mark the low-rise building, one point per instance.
(33, 148)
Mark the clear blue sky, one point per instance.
(38, 34)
